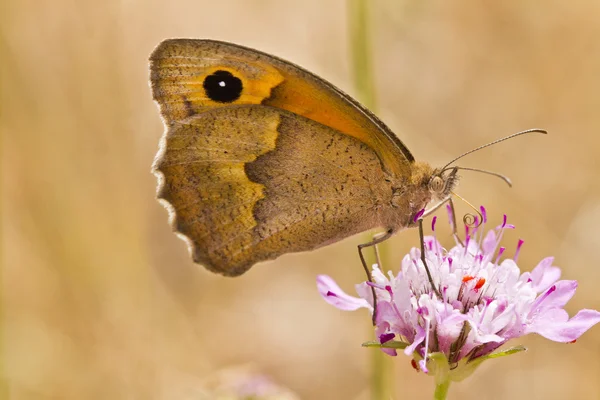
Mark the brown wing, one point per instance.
(179, 71)
(248, 183)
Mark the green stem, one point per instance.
(441, 390)
(358, 19)
(358, 22)
(381, 377)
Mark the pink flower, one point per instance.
(481, 301)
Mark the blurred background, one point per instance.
(100, 299)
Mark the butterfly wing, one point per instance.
(261, 157)
(179, 72)
(248, 183)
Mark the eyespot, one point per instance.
(223, 87)
(437, 184)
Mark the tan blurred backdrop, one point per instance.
(100, 299)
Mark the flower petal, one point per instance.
(364, 291)
(554, 324)
(544, 275)
(489, 242)
(386, 315)
(481, 337)
(384, 338)
(418, 340)
(335, 296)
(448, 330)
(563, 292)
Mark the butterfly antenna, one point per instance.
(493, 143)
(503, 177)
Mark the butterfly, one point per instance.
(261, 158)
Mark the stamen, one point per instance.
(426, 349)
(437, 247)
(450, 216)
(376, 285)
(485, 307)
(479, 283)
(483, 213)
(389, 289)
(423, 311)
(504, 226)
(477, 263)
(519, 245)
(540, 299)
(467, 240)
(418, 215)
(467, 278)
(500, 252)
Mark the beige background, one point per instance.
(100, 299)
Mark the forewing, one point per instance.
(179, 68)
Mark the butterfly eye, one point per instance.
(437, 184)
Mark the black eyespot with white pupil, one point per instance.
(223, 87)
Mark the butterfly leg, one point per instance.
(422, 239)
(376, 247)
(435, 207)
(379, 238)
(453, 216)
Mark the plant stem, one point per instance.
(358, 21)
(441, 390)
(358, 13)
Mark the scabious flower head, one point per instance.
(242, 383)
(474, 302)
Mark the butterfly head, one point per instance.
(442, 182)
(412, 193)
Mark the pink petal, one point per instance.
(489, 242)
(385, 337)
(563, 292)
(379, 276)
(386, 315)
(418, 340)
(544, 275)
(481, 337)
(335, 296)
(554, 324)
(364, 291)
(448, 330)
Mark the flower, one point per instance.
(473, 301)
(243, 382)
